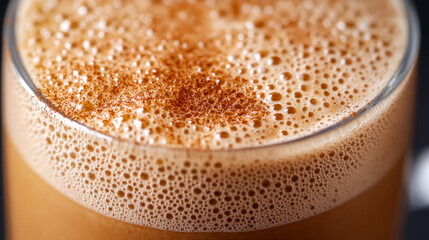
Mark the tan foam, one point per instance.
(235, 74)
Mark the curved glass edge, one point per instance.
(407, 62)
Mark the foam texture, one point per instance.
(198, 75)
(236, 74)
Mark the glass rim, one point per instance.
(407, 62)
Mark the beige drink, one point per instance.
(207, 120)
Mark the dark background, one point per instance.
(417, 227)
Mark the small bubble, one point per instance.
(120, 193)
(144, 176)
(275, 96)
(304, 76)
(266, 183)
(82, 10)
(274, 60)
(313, 101)
(65, 25)
(285, 76)
(278, 116)
(346, 61)
(86, 44)
(222, 135)
(257, 123)
(297, 95)
(91, 176)
(291, 110)
(277, 107)
(295, 178)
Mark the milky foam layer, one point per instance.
(206, 74)
(220, 70)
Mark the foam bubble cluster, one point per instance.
(239, 73)
(236, 74)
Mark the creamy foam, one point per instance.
(237, 74)
(246, 73)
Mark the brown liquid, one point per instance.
(37, 211)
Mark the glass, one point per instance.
(344, 182)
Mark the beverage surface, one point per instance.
(211, 74)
